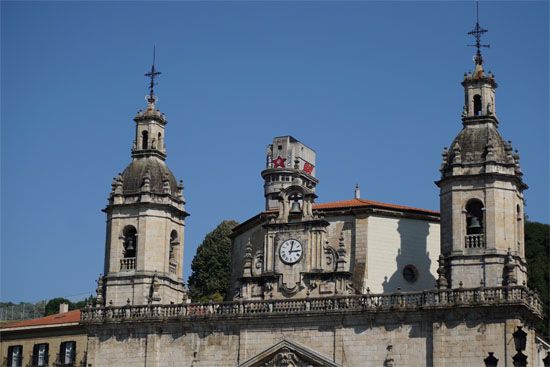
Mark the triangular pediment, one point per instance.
(288, 354)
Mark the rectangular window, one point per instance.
(15, 356)
(67, 353)
(40, 354)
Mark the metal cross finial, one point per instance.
(477, 32)
(152, 74)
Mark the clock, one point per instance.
(291, 251)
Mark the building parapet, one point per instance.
(400, 301)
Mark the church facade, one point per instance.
(348, 283)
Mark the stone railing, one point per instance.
(128, 263)
(173, 267)
(410, 301)
(475, 241)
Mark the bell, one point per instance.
(130, 244)
(474, 224)
(295, 207)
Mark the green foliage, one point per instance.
(537, 252)
(211, 266)
(85, 302)
(52, 307)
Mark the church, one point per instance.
(349, 283)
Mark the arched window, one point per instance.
(474, 217)
(144, 139)
(159, 141)
(519, 226)
(129, 241)
(477, 105)
(173, 243)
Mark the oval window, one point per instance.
(410, 273)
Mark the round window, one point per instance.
(410, 273)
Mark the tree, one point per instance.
(211, 266)
(85, 302)
(52, 307)
(537, 252)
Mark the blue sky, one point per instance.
(373, 87)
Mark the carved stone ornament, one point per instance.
(289, 354)
(457, 156)
(259, 261)
(99, 291)
(330, 255)
(146, 185)
(166, 184)
(285, 358)
(291, 290)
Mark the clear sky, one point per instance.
(373, 87)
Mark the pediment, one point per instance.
(288, 354)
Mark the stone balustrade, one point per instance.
(173, 267)
(475, 241)
(402, 301)
(128, 263)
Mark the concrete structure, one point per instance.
(55, 340)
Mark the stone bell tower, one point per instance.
(481, 194)
(145, 221)
(288, 255)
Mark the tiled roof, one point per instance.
(60, 318)
(355, 203)
(343, 205)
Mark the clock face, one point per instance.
(291, 251)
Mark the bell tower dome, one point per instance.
(145, 221)
(481, 193)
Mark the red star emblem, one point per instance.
(279, 162)
(308, 168)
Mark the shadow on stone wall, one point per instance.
(412, 251)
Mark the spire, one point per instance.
(149, 140)
(477, 32)
(479, 88)
(152, 75)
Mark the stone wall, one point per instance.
(394, 243)
(432, 328)
(408, 338)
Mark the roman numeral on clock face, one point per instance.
(291, 251)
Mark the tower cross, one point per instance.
(152, 74)
(477, 32)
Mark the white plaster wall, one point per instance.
(393, 243)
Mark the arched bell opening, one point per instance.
(475, 224)
(129, 248)
(296, 201)
(144, 139)
(130, 241)
(474, 217)
(173, 243)
(477, 105)
(172, 254)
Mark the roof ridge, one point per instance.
(55, 319)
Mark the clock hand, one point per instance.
(291, 246)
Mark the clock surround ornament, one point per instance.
(291, 251)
